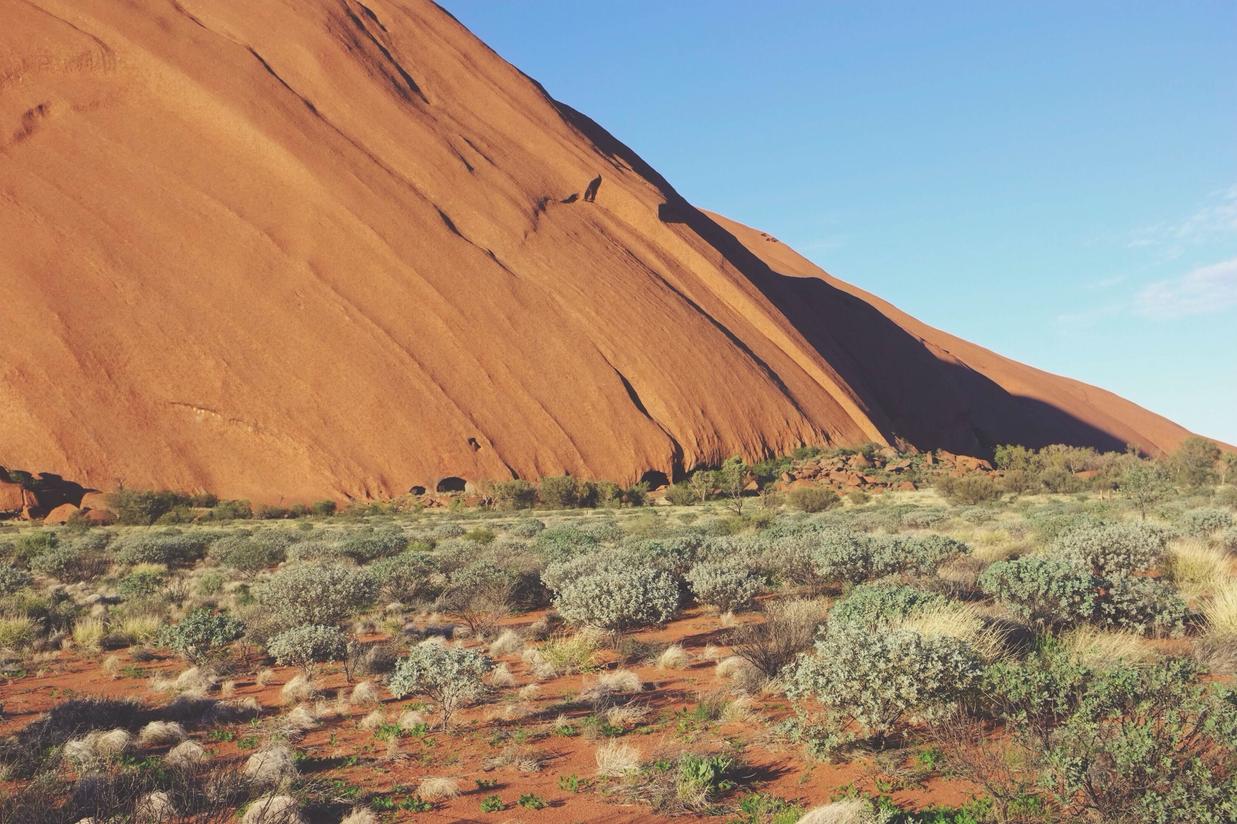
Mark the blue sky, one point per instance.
(1056, 181)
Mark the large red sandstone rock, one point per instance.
(61, 514)
(393, 165)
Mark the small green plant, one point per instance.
(492, 804)
(449, 675)
(532, 801)
(203, 636)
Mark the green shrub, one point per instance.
(307, 645)
(407, 576)
(812, 498)
(12, 579)
(513, 494)
(921, 554)
(1144, 605)
(322, 595)
(728, 585)
(619, 598)
(881, 679)
(1048, 590)
(1145, 744)
(142, 583)
(449, 675)
(1113, 549)
(841, 555)
(365, 548)
(969, 489)
(1202, 522)
(137, 507)
(1195, 463)
(526, 528)
(875, 605)
(681, 495)
(249, 553)
(70, 563)
(202, 636)
(559, 492)
(172, 549)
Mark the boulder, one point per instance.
(61, 514)
(100, 517)
(96, 500)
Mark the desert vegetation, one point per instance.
(1049, 638)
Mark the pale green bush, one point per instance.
(308, 645)
(1049, 590)
(323, 595)
(619, 598)
(728, 585)
(881, 679)
(202, 636)
(452, 676)
(1113, 549)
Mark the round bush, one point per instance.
(1202, 522)
(170, 549)
(882, 678)
(619, 598)
(1048, 590)
(812, 498)
(323, 595)
(842, 555)
(1144, 605)
(365, 548)
(1113, 549)
(526, 528)
(407, 576)
(307, 645)
(202, 635)
(13, 579)
(450, 675)
(874, 605)
(69, 563)
(727, 585)
(249, 553)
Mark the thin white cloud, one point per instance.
(1215, 218)
(1202, 291)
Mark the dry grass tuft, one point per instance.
(273, 809)
(1197, 568)
(271, 767)
(674, 658)
(501, 677)
(615, 759)
(365, 694)
(849, 811)
(185, 755)
(961, 621)
(298, 690)
(1099, 649)
(1221, 610)
(437, 788)
(158, 733)
(507, 642)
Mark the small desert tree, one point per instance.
(449, 675)
(701, 484)
(1145, 483)
(732, 479)
(1194, 463)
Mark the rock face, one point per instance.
(307, 248)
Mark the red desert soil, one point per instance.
(313, 248)
(342, 750)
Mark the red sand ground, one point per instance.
(461, 753)
(309, 248)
